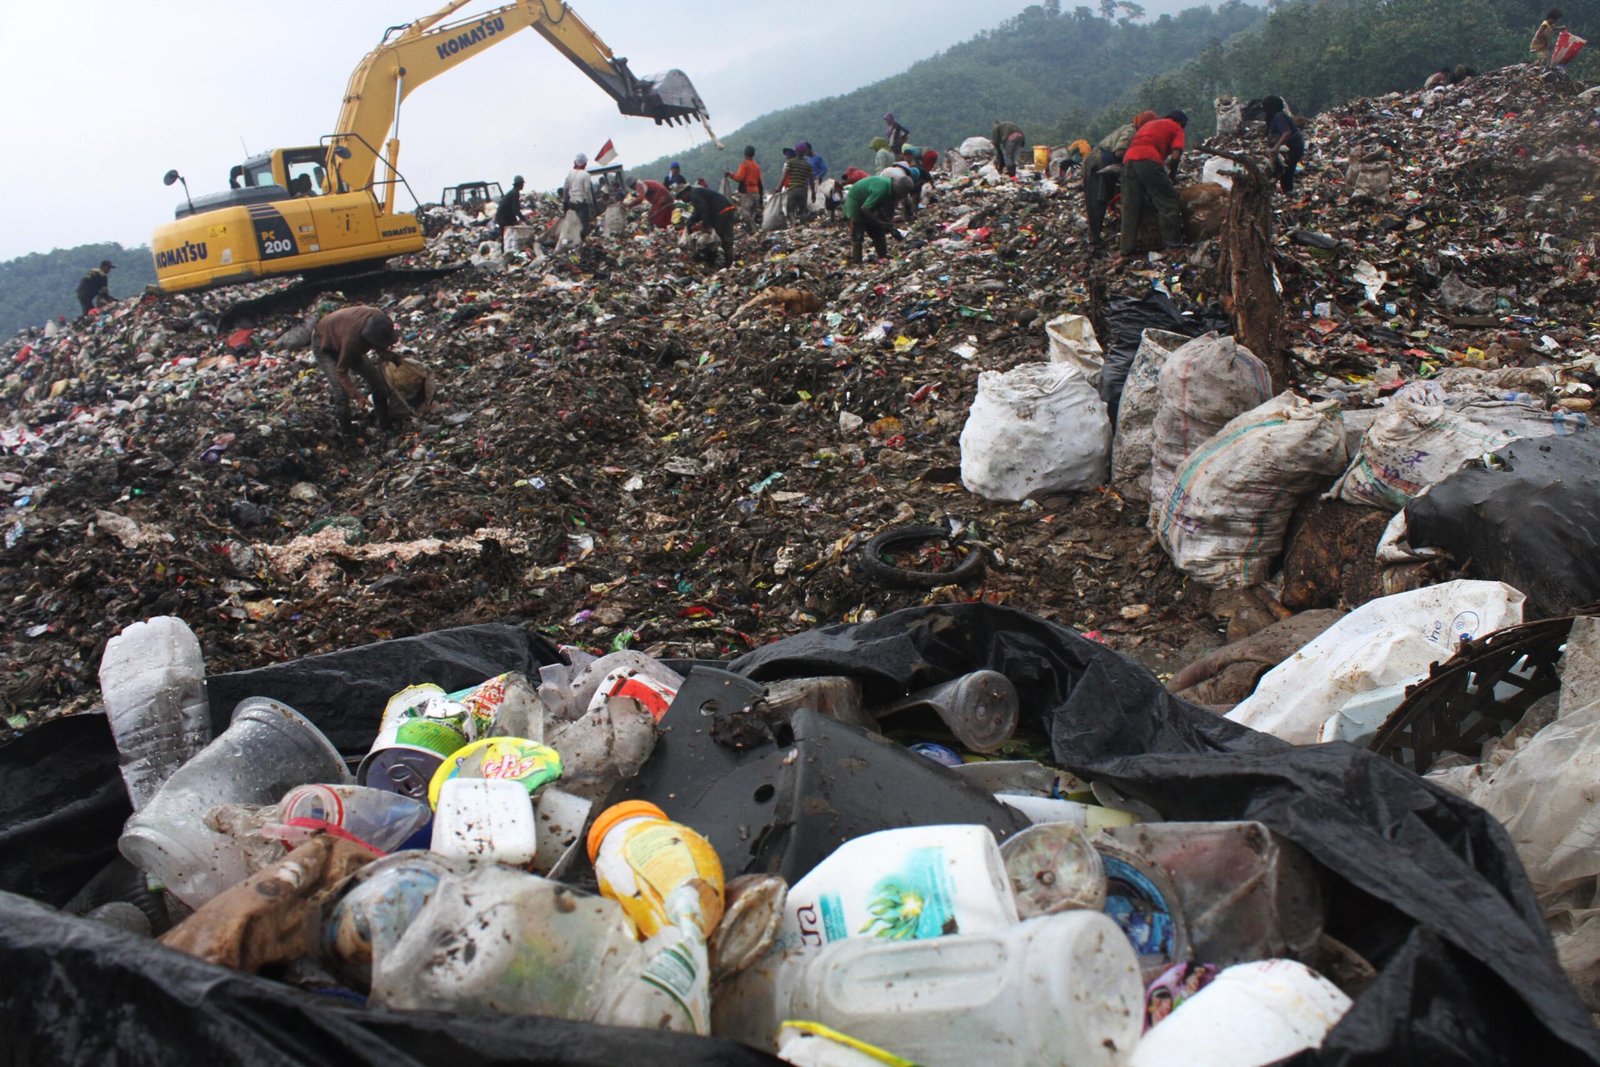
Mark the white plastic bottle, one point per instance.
(152, 677)
(1057, 990)
(908, 884)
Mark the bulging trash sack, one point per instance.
(1072, 342)
(267, 750)
(975, 148)
(1057, 991)
(1133, 446)
(1203, 385)
(772, 216)
(1388, 643)
(1251, 1015)
(1039, 428)
(1224, 518)
(1412, 445)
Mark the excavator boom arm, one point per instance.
(428, 47)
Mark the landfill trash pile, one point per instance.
(945, 523)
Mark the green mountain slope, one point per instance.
(1317, 53)
(1046, 70)
(42, 285)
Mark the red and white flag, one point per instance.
(607, 153)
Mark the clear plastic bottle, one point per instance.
(152, 677)
(1057, 990)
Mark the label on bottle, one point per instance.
(1140, 908)
(915, 902)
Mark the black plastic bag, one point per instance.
(1530, 519)
(1128, 317)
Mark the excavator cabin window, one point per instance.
(305, 176)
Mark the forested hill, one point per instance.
(1048, 71)
(1320, 53)
(39, 287)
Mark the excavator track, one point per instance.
(311, 285)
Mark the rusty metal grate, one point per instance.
(1480, 692)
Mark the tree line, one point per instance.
(41, 286)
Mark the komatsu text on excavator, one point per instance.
(300, 210)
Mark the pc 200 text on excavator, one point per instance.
(330, 205)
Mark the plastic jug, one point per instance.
(377, 817)
(267, 749)
(899, 885)
(488, 820)
(912, 883)
(152, 676)
(1057, 990)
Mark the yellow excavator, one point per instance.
(328, 206)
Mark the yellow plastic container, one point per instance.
(662, 873)
(1041, 156)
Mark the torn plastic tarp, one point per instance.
(1423, 884)
(1128, 317)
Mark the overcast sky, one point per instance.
(99, 105)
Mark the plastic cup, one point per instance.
(268, 749)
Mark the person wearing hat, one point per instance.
(94, 287)
(1148, 169)
(509, 211)
(674, 177)
(658, 196)
(798, 182)
(577, 192)
(752, 190)
(1102, 169)
(1008, 141)
(712, 211)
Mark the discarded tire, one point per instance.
(885, 573)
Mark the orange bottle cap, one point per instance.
(628, 809)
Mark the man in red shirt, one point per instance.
(752, 191)
(1148, 168)
(658, 196)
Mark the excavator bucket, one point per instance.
(668, 97)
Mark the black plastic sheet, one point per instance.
(1128, 317)
(1423, 884)
(1531, 520)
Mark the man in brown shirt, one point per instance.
(341, 340)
